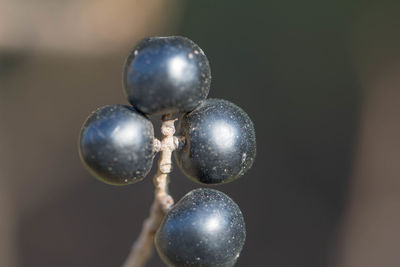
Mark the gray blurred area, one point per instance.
(318, 78)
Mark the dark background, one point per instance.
(293, 66)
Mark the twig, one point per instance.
(143, 247)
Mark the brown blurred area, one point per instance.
(81, 27)
(321, 81)
(371, 228)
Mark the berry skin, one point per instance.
(220, 142)
(166, 75)
(116, 144)
(205, 228)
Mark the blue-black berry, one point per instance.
(116, 144)
(166, 75)
(220, 142)
(205, 228)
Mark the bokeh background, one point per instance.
(320, 79)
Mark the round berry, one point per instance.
(205, 228)
(116, 144)
(220, 142)
(166, 75)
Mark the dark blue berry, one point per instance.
(205, 228)
(220, 142)
(166, 75)
(116, 144)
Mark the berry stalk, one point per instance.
(142, 249)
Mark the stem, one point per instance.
(142, 249)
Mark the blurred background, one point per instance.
(320, 79)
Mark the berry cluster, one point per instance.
(216, 144)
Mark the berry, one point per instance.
(116, 144)
(205, 228)
(166, 75)
(220, 142)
